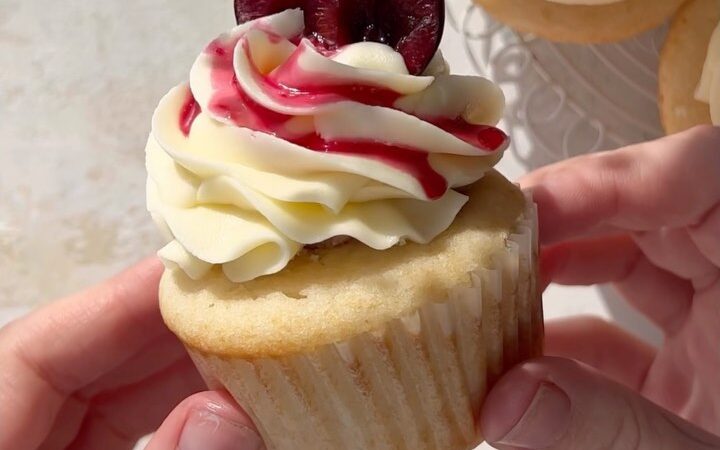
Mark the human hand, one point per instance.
(646, 218)
(99, 369)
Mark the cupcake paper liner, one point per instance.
(417, 383)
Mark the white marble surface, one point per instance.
(78, 83)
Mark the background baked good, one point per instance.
(681, 65)
(581, 23)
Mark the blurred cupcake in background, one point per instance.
(690, 68)
(582, 21)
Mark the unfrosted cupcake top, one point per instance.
(708, 89)
(275, 145)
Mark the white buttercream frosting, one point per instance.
(242, 191)
(708, 89)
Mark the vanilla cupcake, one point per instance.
(690, 68)
(582, 21)
(341, 256)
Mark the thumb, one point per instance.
(558, 404)
(207, 421)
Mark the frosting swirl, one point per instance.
(708, 90)
(274, 145)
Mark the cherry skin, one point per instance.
(412, 27)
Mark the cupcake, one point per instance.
(582, 21)
(342, 258)
(690, 68)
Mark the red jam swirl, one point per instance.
(414, 162)
(294, 86)
(485, 137)
(232, 102)
(229, 100)
(188, 113)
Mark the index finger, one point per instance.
(62, 347)
(75, 340)
(671, 182)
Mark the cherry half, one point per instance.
(412, 27)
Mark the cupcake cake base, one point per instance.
(413, 372)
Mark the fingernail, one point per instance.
(543, 422)
(207, 430)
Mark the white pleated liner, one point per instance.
(416, 384)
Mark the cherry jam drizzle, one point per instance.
(229, 100)
(232, 102)
(485, 137)
(292, 85)
(188, 113)
(411, 161)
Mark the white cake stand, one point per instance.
(563, 99)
